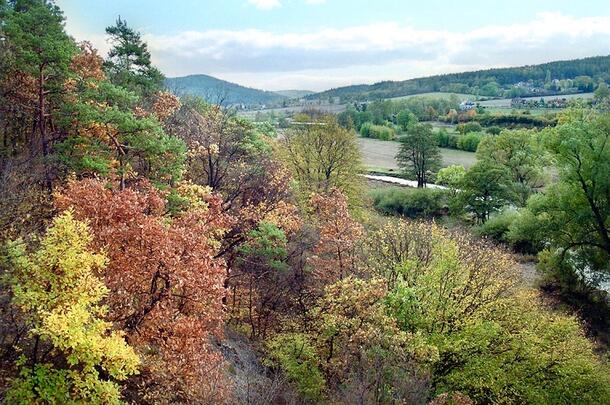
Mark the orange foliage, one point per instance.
(166, 284)
(335, 253)
(165, 105)
(87, 64)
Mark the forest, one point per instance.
(579, 75)
(161, 249)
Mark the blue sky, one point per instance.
(318, 44)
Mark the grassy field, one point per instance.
(379, 155)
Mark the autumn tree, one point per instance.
(361, 348)
(166, 286)
(321, 156)
(76, 357)
(227, 154)
(109, 134)
(419, 155)
(495, 343)
(335, 254)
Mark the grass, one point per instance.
(378, 156)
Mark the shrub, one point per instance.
(467, 127)
(294, 354)
(446, 140)
(380, 132)
(497, 227)
(470, 141)
(493, 130)
(411, 203)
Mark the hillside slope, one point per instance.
(294, 93)
(596, 68)
(216, 91)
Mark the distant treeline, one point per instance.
(577, 75)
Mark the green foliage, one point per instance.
(410, 203)
(405, 118)
(470, 141)
(110, 138)
(522, 353)
(451, 176)
(381, 132)
(493, 130)
(521, 153)
(495, 344)
(467, 127)
(39, 44)
(128, 64)
(267, 245)
(295, 355)
(498, 226)
(483, 82)
(446, 139)
(602, 92)
(485, 189)
(524, 234)
(58, 291)
(419, 155)
(574, 213)
(515, 121)
(323, 156)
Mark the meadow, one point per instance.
(379, 155)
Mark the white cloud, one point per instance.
(265, 4)
(331, 57)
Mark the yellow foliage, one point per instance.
(58, 290)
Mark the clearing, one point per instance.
(379, 155)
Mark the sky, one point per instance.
(321, 44)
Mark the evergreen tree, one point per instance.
(129, 64)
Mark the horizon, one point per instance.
(318, 45)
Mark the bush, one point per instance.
(516, 121)
(380, 132)
(411, 203)
(294, 354)
(494, 130)
(446, 140)
(467, 127)
(497, 227)
(470, 141)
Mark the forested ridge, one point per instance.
(157, 249)
(589, 70)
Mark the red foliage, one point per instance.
(166, 284)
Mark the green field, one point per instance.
(379, 155)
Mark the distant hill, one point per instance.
(216, 90)
(294, 93)
(491, 82)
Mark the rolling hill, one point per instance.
(594, 68)
(295, 93)
(217, 91)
